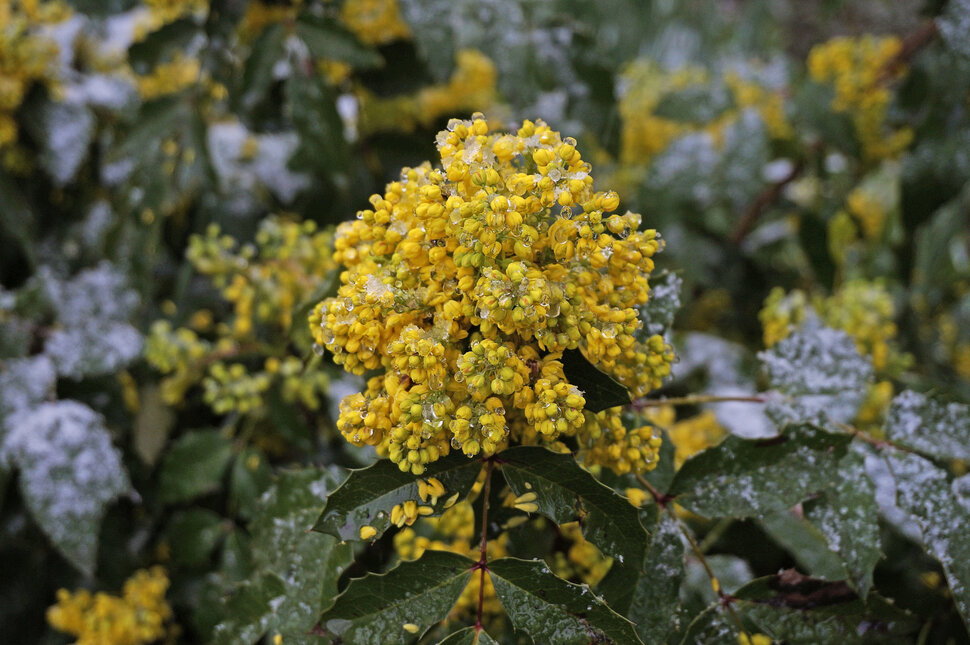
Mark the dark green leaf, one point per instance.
(249, 478)
(17, 217)
(792, 608)
(368, 495)
(565, 492)
(376, 608)
(194, 466)
(282, 543)
(806, 544)
(744, 478)
(713, 626)
(193, 534)
(551, 610)
(69, 473)
(327, 40)
(847, 516)
(313, 110)
(266, 52)
(248, 612)
(930, 426)
(599, 389)
(657, 594)
(65, 131)
(941, 508)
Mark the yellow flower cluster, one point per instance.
(27, 57)
(857, 68)
(169, 78)
(375, 22)
(863, 309)
(645, 84)
(465, 284)
(472, 86)
(869, 209)
(453, 531)
(265, 283)
(137, 616)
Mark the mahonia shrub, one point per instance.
(466, 285)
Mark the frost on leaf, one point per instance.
(954, 26)
(940, 508)
(69, 473)
(817, 376)
(932, 427)
(25, 383)
(657, 315)
(93, 308)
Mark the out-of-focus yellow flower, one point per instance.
(138, 616)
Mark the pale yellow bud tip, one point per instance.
(367, 532)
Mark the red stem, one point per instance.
(482, 564)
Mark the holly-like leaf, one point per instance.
(657, 595)
(194, 466)
(25, 383)
(469, 636)
(846, 515)
(282, 543)
(793, 608)
(327, 40)
(599, 389)
(249, 612)
(65, 131)
(69, 473)
(266, 52)
(818, 376)
(806, 544)
(193, 535)
(398, 606)
(551, 610)
(942, 509)
(932, 427)
(563, 491)
(368, 495)
(744, 478)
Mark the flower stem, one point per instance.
(482, 563)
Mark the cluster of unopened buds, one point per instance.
(466, 284)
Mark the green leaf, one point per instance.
(153, 422)
(368, 495)
(313, 111)
(934, 428)
(551, 610)
(659, 311)
(282, 544)
(327, 40)
(942, 509)
(193, 535)
(599, 389)
(656, 598)
(24, 384)
(69, 473)
(266, 52)
(744, 478)
(847, 515)
(375, 608)
(793, 608)
(565, 492)
(248, 612)
(250, 476)
(17, 217)
(468, 636)
(819, 377)
(806, 544)
(194, 466)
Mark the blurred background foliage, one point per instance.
(170, 171)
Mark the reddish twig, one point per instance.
(765, 199)
(911, 45)
(482, 564)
